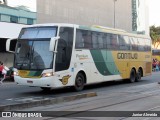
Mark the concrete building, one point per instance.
(17, 15)
(121, 14)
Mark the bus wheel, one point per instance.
(79, 82)
(46, 89)
(132, 76)
(138, 76)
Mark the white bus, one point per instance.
(62, 55)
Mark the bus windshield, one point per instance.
(32, 51)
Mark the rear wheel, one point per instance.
(132, 76)
(138, 76)
(79, 82)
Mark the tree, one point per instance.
(155, 36)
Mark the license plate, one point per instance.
(29, 81)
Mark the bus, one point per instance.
(156, 54)
(64, 55)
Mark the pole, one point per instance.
(114, 13)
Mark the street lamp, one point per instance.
(114, 13)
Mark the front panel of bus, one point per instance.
(36, 65)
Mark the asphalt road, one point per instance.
(112, 98)
(11, 91)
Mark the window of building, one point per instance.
(29, 21)
(14, 19)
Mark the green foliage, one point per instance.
(155, 35)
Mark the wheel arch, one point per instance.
(84, 74)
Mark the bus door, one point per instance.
(63, 56)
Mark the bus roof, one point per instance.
(93, 28)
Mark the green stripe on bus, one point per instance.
(104, 62)
(100, 62)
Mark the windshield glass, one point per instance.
(32, 51)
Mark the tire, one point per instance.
(132, 76)
(47, 89)
(138, 75)
(79, 82)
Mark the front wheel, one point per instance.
(79, 82)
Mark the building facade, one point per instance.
(121, 14)
(17, 15)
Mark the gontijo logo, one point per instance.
(127, 55)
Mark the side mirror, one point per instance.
(11, 45)
(52, 43)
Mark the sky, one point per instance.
(154, 9)
(154, 12)
(31, 4)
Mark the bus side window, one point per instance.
(122, 43)
(127, 42)
(87, 39)
(109, 41)
(114, 42)
(134, 43)
(104, 38)
(141, 45)
(148, 44)
(79, 39)
(100, 40)
(95, 40)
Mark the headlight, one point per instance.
(47, 74)
(15, 73)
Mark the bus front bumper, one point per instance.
(38, 82)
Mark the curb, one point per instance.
(46, 101)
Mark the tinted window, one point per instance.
(148, 44)
(79, 39)
(87, 39)
(114, 42)
(134, 43)
(141, 45)
(109, 42)
(122, 43)
(64, 49)
(38, 32)
(83, 39)
(127, 41)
